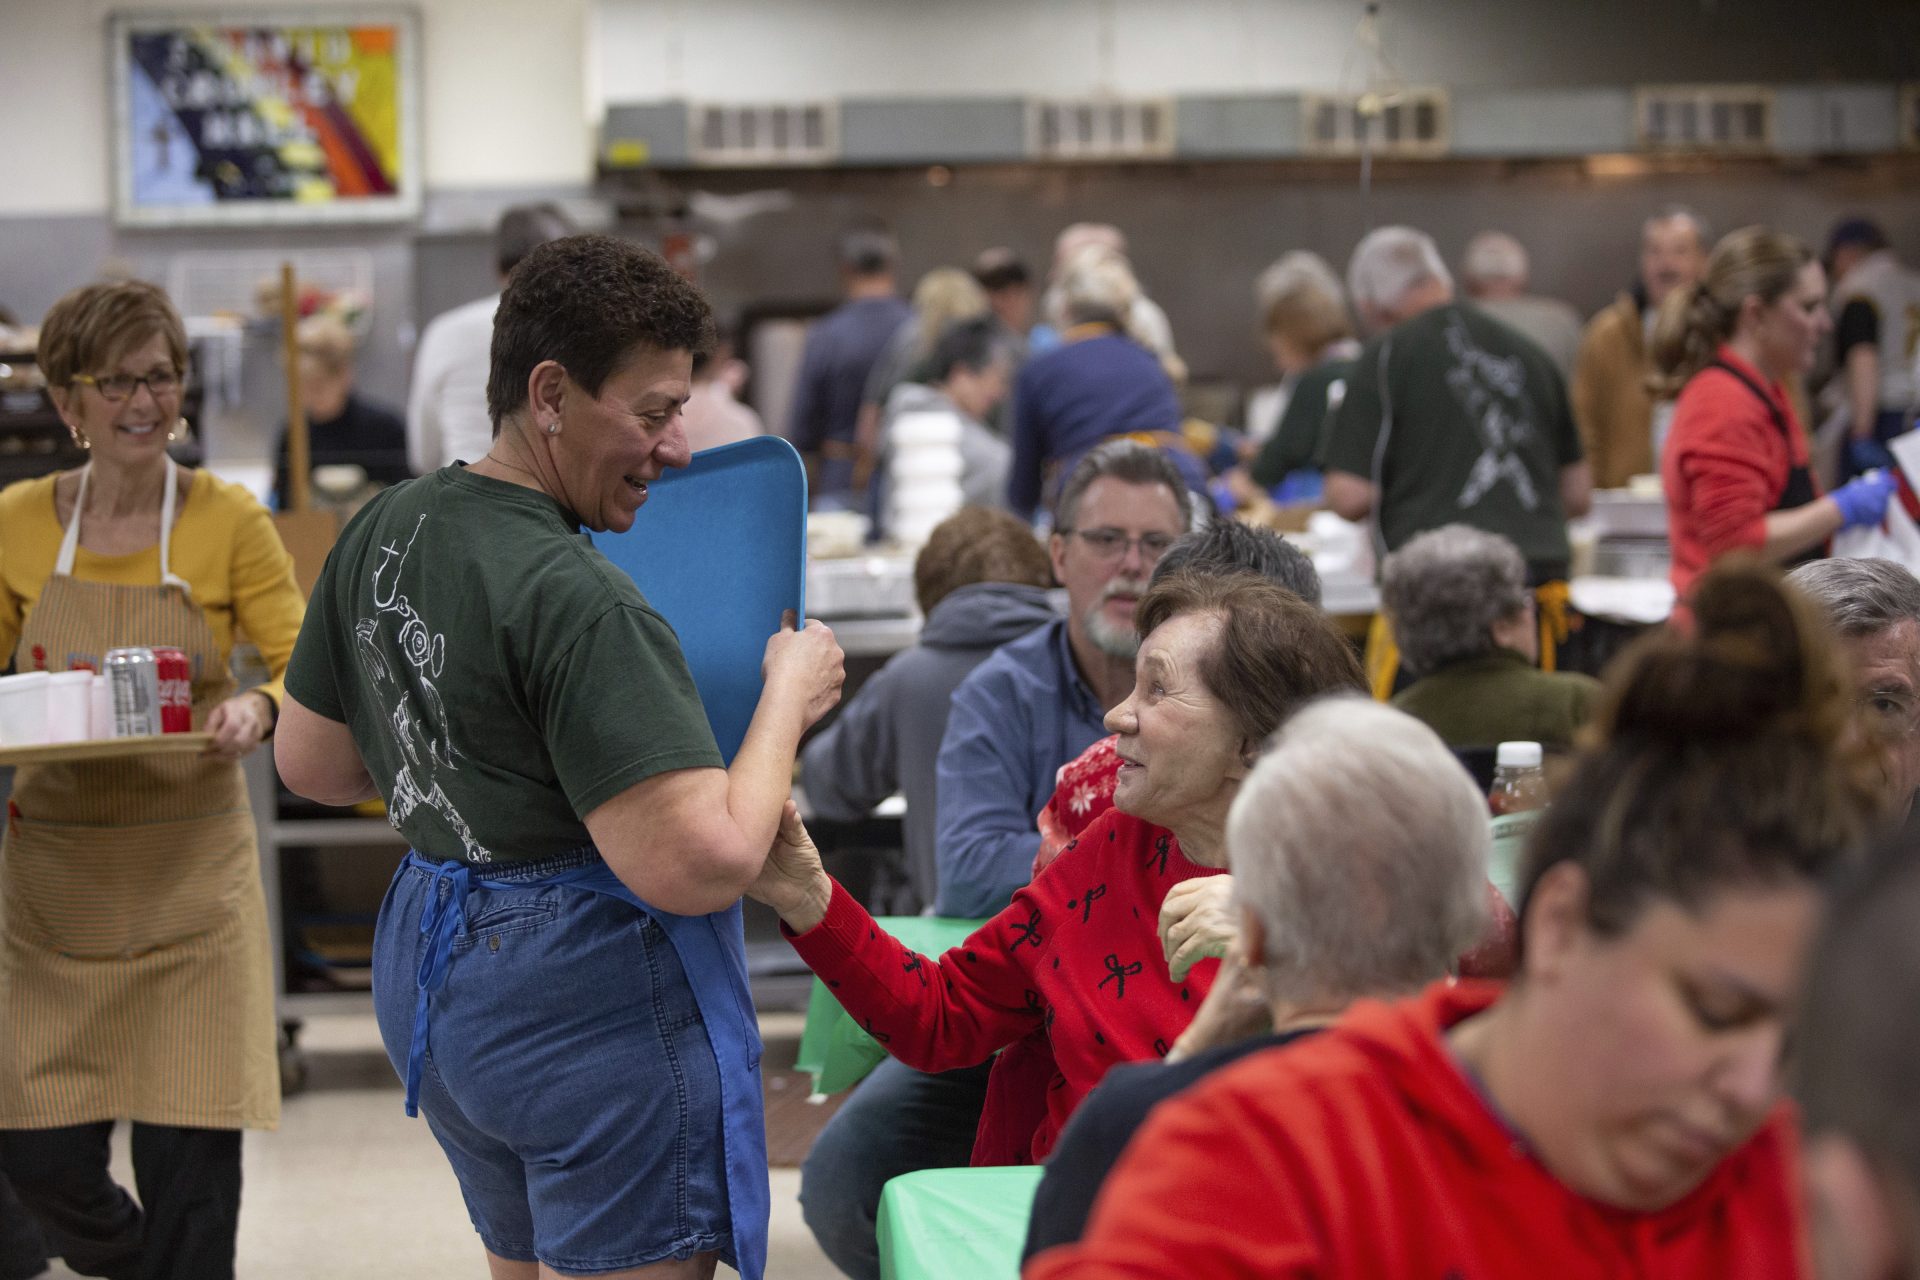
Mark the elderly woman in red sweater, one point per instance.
(1614, 1110)
(1736, 468)
(1224, 659)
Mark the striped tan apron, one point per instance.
(135, 979)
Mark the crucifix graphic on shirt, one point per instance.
(1490, 390)
(417, 718)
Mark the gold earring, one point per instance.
(177, 430)
(80, 438)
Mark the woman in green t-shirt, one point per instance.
(568, 917)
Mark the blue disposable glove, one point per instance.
(1865, 455)
(1863, 500)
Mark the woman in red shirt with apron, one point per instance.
(1736, 466)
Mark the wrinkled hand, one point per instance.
(1236, 1007)
(793, 881)
(239, 724)
(1197, 920)
(806, 665)
(1863, 500)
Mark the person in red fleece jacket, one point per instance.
(1735, 468)
(1225, 657)
(1615, 1110)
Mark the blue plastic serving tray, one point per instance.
(720, 549)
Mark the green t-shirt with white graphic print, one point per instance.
(1458, 418)
(500, 677)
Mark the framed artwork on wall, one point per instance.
(282, 117)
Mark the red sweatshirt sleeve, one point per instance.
(1733, 489)
(932, 1015)
(1197, 1193)
(1731, 460)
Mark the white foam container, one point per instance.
(23, 709)
(69, 706)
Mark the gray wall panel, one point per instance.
(1541, 122)
(1247, 127)
(1836, 119)
(660, 126)
(932, 130)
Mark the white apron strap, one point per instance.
(167, 578)
(70, 541)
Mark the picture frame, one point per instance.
(236, 117)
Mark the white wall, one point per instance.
(783, 50)
(747, 50)
(504, 96)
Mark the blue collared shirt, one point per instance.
(1015, 720)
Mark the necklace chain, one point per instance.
(502, 462)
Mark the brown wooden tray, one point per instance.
(104, 749)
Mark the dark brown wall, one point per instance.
(1201, 233)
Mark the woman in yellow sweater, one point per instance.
(135, 978)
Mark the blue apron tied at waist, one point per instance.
(712, 952)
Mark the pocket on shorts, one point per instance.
(500, 915)
(674, 1003)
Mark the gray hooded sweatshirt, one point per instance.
(888, 737)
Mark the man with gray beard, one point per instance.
(1036, 704)
(1039, 701)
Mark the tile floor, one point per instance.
(349, 1186)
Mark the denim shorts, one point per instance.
(568, 1075)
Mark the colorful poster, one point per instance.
(292, 117)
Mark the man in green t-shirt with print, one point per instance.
(1451, 417)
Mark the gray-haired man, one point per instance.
(1875, 606)
(1450, 415)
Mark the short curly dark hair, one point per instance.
(589, 302)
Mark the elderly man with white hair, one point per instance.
(1875, 606)
(1358, 849)
(1450, 418)
(1495, 271)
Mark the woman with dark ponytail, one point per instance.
(1616, 1107)
(1736, 465)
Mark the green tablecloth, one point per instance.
(956, 1224)
(834, 1049)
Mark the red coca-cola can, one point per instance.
(176, 690)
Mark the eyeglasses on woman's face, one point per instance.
(116, 388)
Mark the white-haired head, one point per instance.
(1494, 265)
(1359, 844)
(1303, 308)
(1096, 284)
(1086, 235)
(1395, 273)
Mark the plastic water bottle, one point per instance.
(1518, 796)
